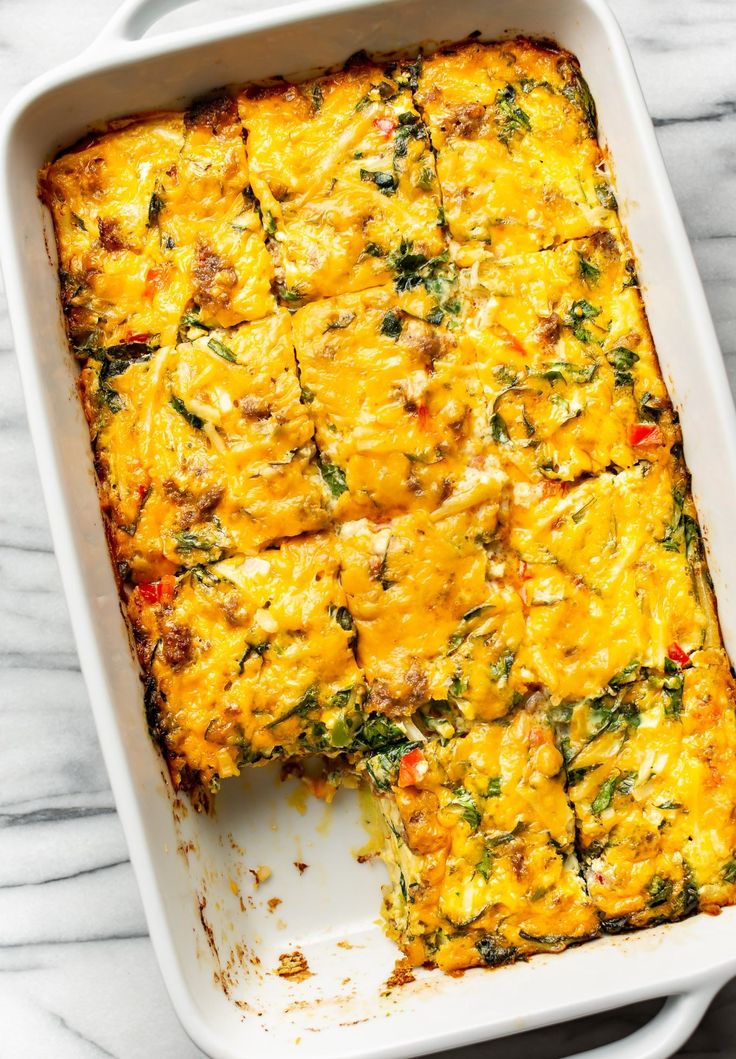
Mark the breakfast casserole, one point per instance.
(390, 475)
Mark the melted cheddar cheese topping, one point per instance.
(390, 474)
(650, 774)
(399, 415)
(518, 161)
(155, 222)
(203, 449)
(345, 176)
(482, 849)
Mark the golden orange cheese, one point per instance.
(390, 474)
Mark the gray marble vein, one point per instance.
(77, 973)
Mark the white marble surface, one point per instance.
(77, 974)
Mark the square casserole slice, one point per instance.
(399, 416)
(438, 632)
(252, 658)
(611, 572)
(202, 449)
(155, 219)
(570, 375)
(479, 844)
(515, 131)
(651, 768)
(344, 173)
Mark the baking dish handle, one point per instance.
(133, 18)
(667, 1031)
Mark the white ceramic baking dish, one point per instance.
(217, 940)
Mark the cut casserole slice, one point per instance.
(479, 844)
(651, 768)
(515, 131)
(437, 632)
(611, 575)
(202, 449)
(155, 220)
(569, 371)
(398, 414)
(252, 658)
(344, 173)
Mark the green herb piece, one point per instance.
(729, 872)
(493, 790)
(178, 405)
(251, 650)
(493, 953)
(288, 294)
(470, 812)
(305, 705)
(575, 318)
(627, 675)
(79, 223)
(604, 797)
(589, 273)
(579, 515)
(660, 891)
(188, 542)
(567, 372)
(378, 732)
(222, 350)
(577, 91)
(499, 670)
(672, 687)
(374, 250)
(650, 407)
(511, 119)
(622, 361)
(269, 222)
(307, 395)
(191, 319)
(387, 183)
(409, 128)
(334, 477)
(384, 766)
(426, 179)
(483, 867)
(391, 325)
(155, 206)
(499, 430)
(343, 617)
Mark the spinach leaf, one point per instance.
(659, 890)
(387, 183)
(578, 312)
(622, 361)
(510, 117)
(589, 273)
(334, 477)
(155, 206)
(305, 705)
(251, 650)
(178, 405)
(729, 871)
(391, 325)
(470, 811)
(577, 91)
(493, 953)
(222, 350)
(605, 794)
